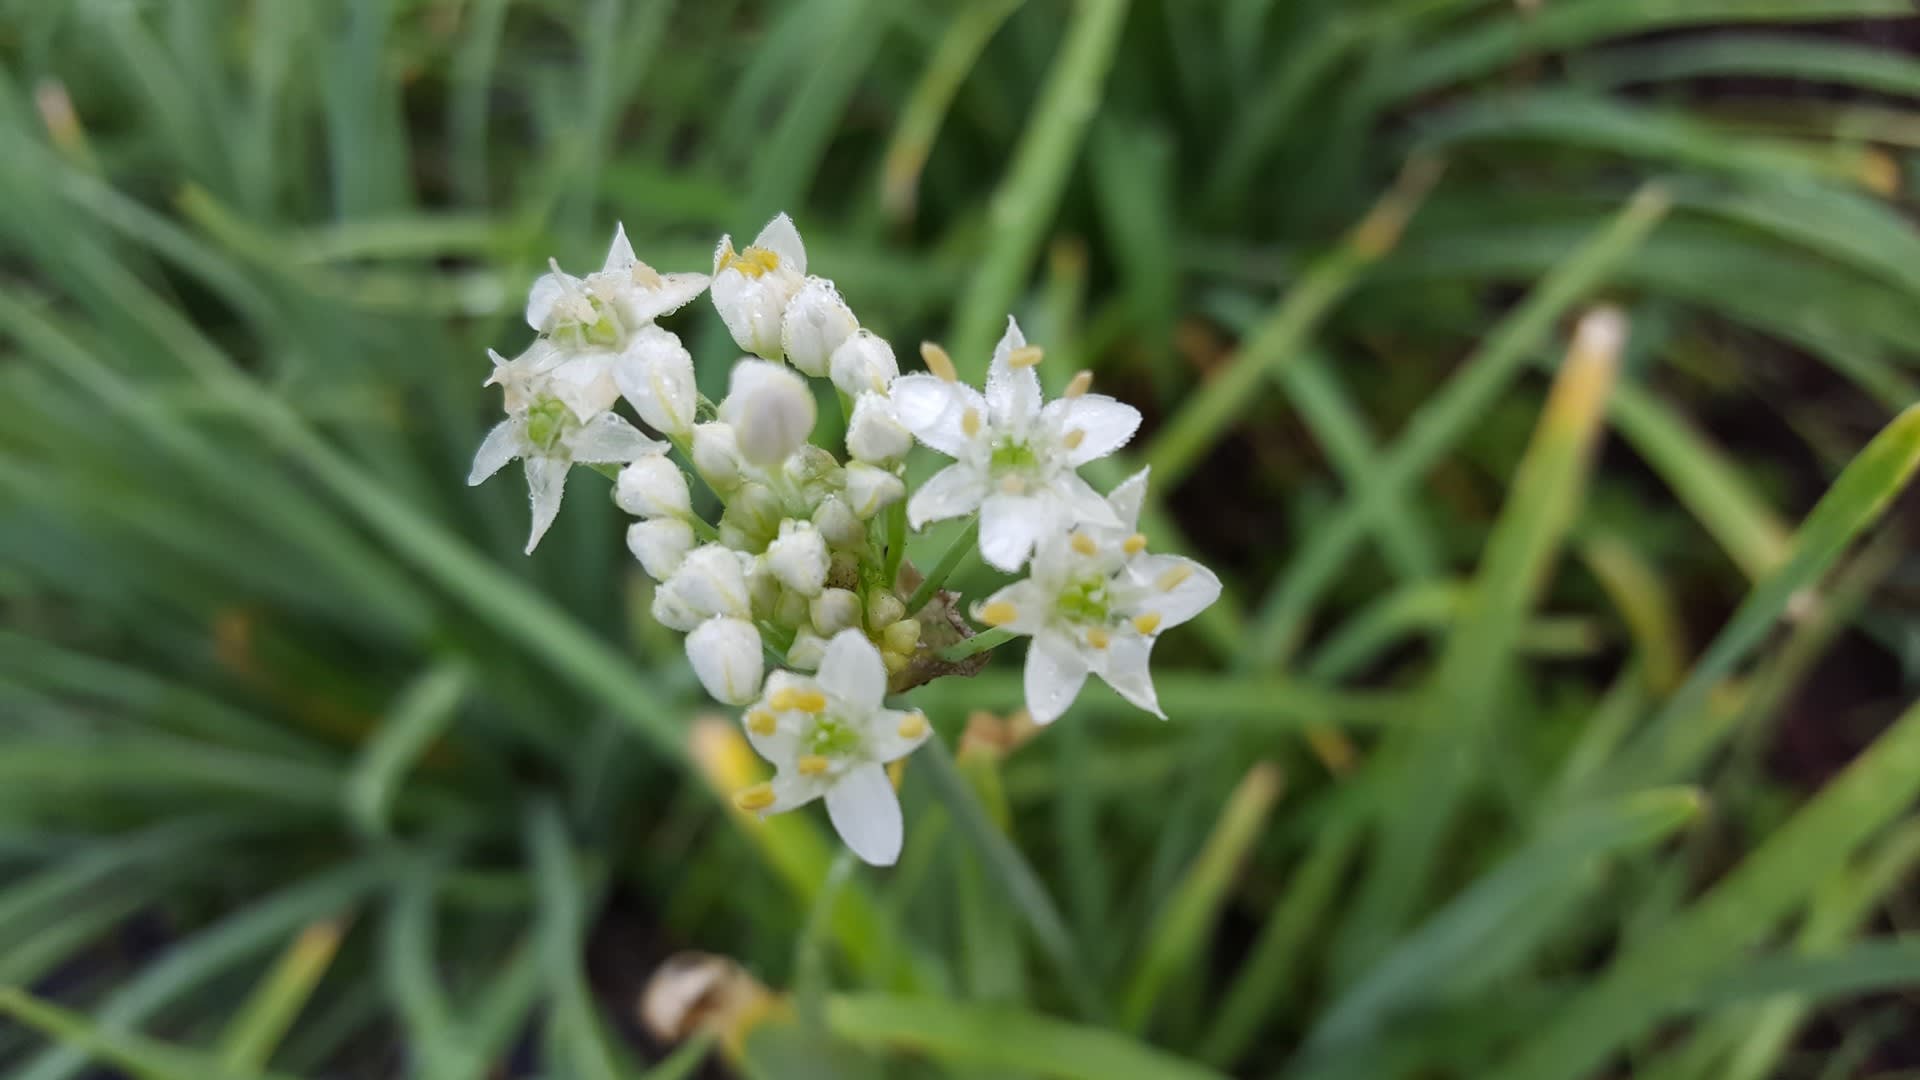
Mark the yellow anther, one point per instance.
(1074, 438)
(810, 701)
(752, 262)
(970, 422)
(1099, 638)
(1025, 356)
(812, 765)
(938, 361)
(1084, 544)
(1172, 578)
(1079, 384)
(757, 797)
(1147, 623)
(913, 725)
(762, 722)
(784, 698)
(999, 613)
(1135, 544)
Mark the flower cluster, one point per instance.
(802, 567)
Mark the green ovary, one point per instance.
(547, 420)
(1010, 456)
(833, 737)
(1085, 601)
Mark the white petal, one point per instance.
(726, 655)
(501, 445)
(1197, 588)
(817, 322)
(1127, 499)
(1009, 527)
(1031, 603)
(935, 411)
(791, 790)
(660, 545)
(1013, 394)
(1124, 667)
(620, 254)
(1104, 423)
(951, 492)
(1054, 675)
(584, 384)
(655, 374)
(546, 483)
(770, 408)
(607, 439)
(1080, 504)
(547, 291)
(720, 252)
(852, 672)
(781, 238)
(884, 741)
(640, 304)
(866, 813)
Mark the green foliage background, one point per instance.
(1488, 764)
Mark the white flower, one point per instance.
(549, 438)
(874, 434)
(830, 737)
(770, 409)
(655, 373)
(711, 580)
(1095, 603)
(625, 295)
(863, 363)
(653, 487)
(660, 545)
(798, 557)
(815, 324)
(871, 489)
(1015, 456)
(525, 376)
(581, 378)
(751, 289)
(716, 456)
(725, 653)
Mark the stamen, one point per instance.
(784, 698)
(999, 613)
(1084, 544)
(762, 722)
(757, 797)
(1135, 544)
(938, 361)
(1172, 578)
(1025, 356)
(970, 422)
(810, 701)
(1147, 623)
(1099, 638)
(1074, 438)
(812, 765)
(1079, 384)
(913, 725)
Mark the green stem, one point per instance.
(985, 641)
(896, 542)
(961, 547)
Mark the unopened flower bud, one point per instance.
(883, 610)
(806, 651)
(660, 545)
(863, 364)
(716, 456)
(751, 288)
(799, 557)
(770, 408)
(653, 487)
(792, 609)
(870, 488)
(725, 653)
(710, 581)
(816, 323)
(835, 610)
(902, 636)
(874, 435)
(655, 374)
(837, 522)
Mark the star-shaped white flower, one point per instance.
(604, 307)
(1015, 456)
(548, 438)
(751, 288)
(1094, 602)
(829, 736)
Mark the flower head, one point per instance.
(829, 736)
(548, 437)
(604, 307)
(1094, 602)
(1015, 456)
(752, 288)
